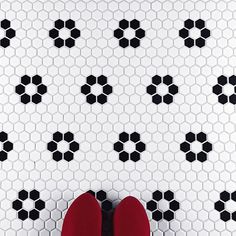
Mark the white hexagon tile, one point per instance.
(120, 97)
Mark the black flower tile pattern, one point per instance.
(225, 213)
(102, 95)
(223, 82)
(9, 33)
(28, 199)
(138, 147)
(7, 146)
(64, 40)
(134, 39)
(36, 84)
(171, 88)
(200, 40)
(58, 139)
(160, 200)
(200, 139)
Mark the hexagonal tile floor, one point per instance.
(118, 98)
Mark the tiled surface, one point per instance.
(120, 98)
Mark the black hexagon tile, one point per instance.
(225, 89)
(96, 89)
(225, 206)
(64, 33)
(129, 147)
(63, 146)
(31, 89)
(129, 33)
(162, 89)
(196, 147)
(202, 34)
(163, 205)
(7, 146)
(9, 33)
(28, 205)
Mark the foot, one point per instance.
(130, 219)
(83, 218)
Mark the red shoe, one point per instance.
(83, 218)
(130, 219)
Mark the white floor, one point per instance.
(93, 164)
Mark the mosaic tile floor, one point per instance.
(118, 98)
